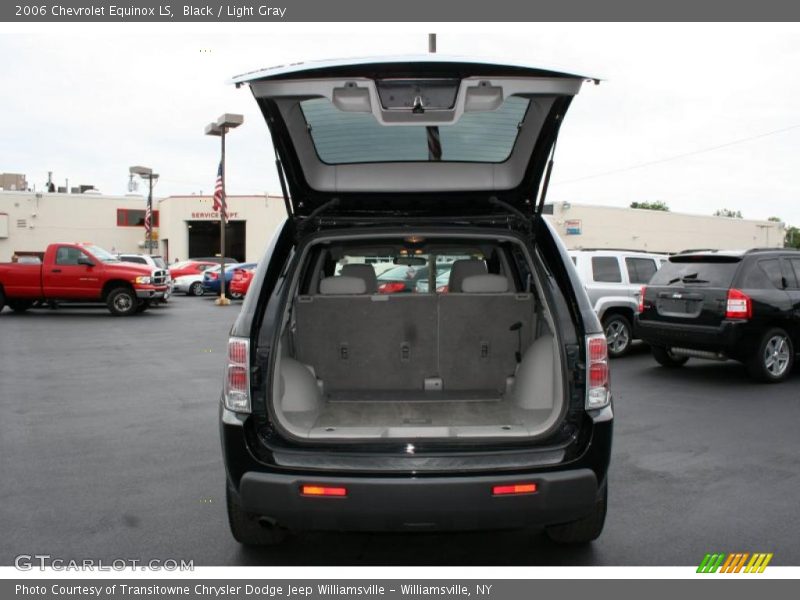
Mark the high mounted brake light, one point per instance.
(237, 375)
(739, 305)
(597, 377)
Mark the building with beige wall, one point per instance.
(30, 221)
(184, 226)
(592, 226)
(187, 226)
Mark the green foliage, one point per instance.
(656, 205)
(792, 239)
(727, 212)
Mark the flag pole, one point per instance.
(222, 300)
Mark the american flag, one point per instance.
(219, 196)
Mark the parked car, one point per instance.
(240, 282)
(155, 262)
(192, 285)
(740, 305)
(82, 273)
(484, 408)
(442, 281)
(211, 279)
(613, 280)
(214, 259)
(406, 278)
(190, 267)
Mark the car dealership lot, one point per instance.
(109, 449)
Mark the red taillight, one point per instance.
(514, 488)
(237, 375)
(641, 298)
(739, 305)
(391, 287)
(597, 375)
(237, 351)
(597, 348)
(322, 490)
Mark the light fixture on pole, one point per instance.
(219, 128)
(147, 174)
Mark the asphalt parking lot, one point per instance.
(109, 449)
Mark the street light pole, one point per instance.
(147, 173)
(149, 215)
(220, 128)
(223, 300)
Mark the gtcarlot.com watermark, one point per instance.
(42, 562)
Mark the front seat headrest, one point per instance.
(362, 271)
(339, 285)
(462, 269)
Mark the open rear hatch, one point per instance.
(412, 136)
(415, 142)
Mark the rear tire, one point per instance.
(248, 529)
(773, 359)
(666, 358)
(196, 289)
(619, 334)
(122, 302)
(583, 530)
(2, 300)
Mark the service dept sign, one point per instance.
(210, 215)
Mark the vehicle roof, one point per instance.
(736, 253)
(616, 252)
(329, 67)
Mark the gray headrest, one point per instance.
(462, 269)
(484, 284)
(342, 285)
(362, 271)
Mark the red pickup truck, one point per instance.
(81, 273)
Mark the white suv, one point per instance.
(613, 280)
(159, 265)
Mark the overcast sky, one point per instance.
(89, 104)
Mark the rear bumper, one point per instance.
(404, 500)
(727, 338)
(425, 504)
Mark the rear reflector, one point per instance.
(514, 488)
(321, 490)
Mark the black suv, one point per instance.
(723, 305)
(485, 407)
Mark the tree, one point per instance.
(775, 219)
(792, 239)
(656, 205)
(727, 212)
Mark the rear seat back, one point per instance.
(359, 342)
(477, 346)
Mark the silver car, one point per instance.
(613, 280)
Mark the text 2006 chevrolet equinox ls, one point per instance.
(477, 401)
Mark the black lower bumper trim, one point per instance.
(420, 503)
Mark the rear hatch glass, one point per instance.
(691, 288)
